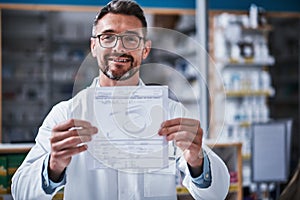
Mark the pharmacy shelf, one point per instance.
(244, 93)
(6, 148)
(231, 154)
(242, 59)
(265, 28)
(246, 62)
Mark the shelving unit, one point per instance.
(231, 154)
(25, 66)
(285, 74)
(42, 52)
(242, 60)
(11, 156)
(38, 70)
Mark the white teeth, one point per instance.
(120, 60)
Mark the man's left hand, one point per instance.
(187, 135)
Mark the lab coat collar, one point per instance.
(95, 83)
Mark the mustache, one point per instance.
(123, 55)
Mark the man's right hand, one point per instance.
(68, 139)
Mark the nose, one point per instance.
(119, 46)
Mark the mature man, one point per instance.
(119, 43)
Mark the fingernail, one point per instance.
(159, 132)
(162, 125)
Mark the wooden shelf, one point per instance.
(15, 148)
(245, 124)
(80, 8)
(234, 187)
(58, 196)
(242, 93)
(235, 150)
(247, 62)
(265, 28)
(182, 190)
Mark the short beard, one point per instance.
(125, 76)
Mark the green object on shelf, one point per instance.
(3, 175)
(13, 162)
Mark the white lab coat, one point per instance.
(107, 184)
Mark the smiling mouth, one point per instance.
(120, 60)
(119, 67)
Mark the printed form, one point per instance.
(128, 120)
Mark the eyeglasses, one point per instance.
(129, 41)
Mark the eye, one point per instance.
(131, 38)
(107, 37)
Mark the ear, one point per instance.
(93, 47)
(146, 49)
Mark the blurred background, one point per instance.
(245, 90)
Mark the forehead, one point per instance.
(118, 23)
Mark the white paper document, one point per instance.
(128, 120)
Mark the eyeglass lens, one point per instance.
(128, 41)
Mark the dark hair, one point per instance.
(126, 7)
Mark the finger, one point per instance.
(71, 123)
(181, 135)
(179, 124)
(195, 129)
(67, 153)
(173, 129)
(180, 121)
(185, 136)
(58, 136)
(70, 142)
(87, 131)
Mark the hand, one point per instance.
(65, 142)
(187, 135)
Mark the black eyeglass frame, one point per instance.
(121, 37)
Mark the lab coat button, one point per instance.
(207, 175)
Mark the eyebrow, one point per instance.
(108, 31)
(132, 32)
(126, 32)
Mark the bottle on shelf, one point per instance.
(253, 16)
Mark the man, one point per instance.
(119, 43)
